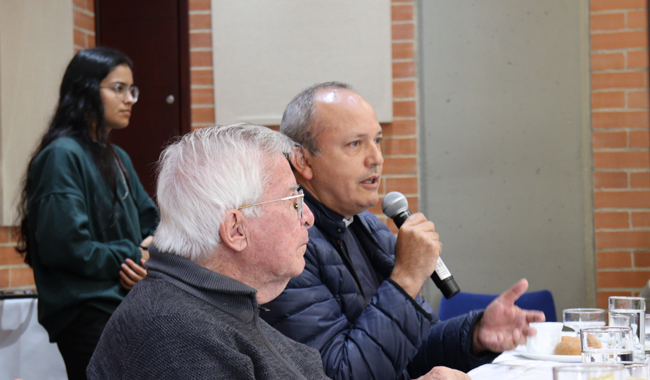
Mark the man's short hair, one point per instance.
(300, 119)
(204, 174)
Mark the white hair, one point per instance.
(206, 173)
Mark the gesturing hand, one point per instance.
(504, 326)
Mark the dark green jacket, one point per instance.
(78, 240)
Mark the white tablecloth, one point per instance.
(25, 351)
(511, 366)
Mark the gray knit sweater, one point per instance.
(184, 321)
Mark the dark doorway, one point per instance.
(155, 35)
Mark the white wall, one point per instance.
(35, 47)
(266, 52)
(505, 143)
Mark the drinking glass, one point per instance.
(647, 337)
(607, 344)
(584, 318)
(630, 312)
(636, 370)
(589, 372)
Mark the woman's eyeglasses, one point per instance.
(121, 90)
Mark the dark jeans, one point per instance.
(78, 341)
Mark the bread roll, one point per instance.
(571, 345)
(593, 342)
(568, 346)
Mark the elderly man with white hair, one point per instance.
(233, 232)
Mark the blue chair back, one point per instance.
(462, 303)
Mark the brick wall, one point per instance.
(400, 145)
(14, 274)
(620, 122)
(83, 16)
(201, 75)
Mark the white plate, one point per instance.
(553, 358)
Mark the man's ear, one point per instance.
(301, 162)
(232, 231)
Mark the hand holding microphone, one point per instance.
(417, 247)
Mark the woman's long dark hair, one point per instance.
(80, 107)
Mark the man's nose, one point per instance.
(374, 157)
(307, 216)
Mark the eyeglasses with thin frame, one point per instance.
(121, 89)
(298, 205)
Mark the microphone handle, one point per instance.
(441, 276)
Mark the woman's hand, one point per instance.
(143, 248)
(131, 273)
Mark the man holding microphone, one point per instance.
(358, 299)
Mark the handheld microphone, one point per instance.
(396, 207)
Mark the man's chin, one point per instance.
(298, 267)
(366, 204)
(373, 200)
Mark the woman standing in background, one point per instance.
(84, 216)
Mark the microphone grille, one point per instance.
(394, 203)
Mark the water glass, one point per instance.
(607, 344)
(584, 318)
(630, 312)
(647, 336)
(636, 370)
(589, 372)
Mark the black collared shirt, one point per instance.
(352, 250)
